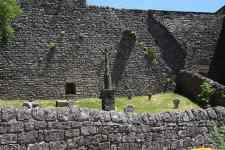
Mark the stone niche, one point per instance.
(70, 88)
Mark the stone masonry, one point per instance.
(81, 129)
(29, 68)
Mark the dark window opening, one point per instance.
(70, 88)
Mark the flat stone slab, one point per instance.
(62, 103)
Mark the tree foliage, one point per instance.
(151, 54)
(207, 90)
(9, 10)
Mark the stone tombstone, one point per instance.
(150, 96)
(129, 109)
(63, 103)
(108, 100)
(176, 103)
(130, 95)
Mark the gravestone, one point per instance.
(129, 95)
(63, 103)
(150, 96)
(129, 109)
(176, 103)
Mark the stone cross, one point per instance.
(107, 75)
(107, 94)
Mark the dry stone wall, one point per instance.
(81, 129)
(29, 68)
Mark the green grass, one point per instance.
(11, 103)
(162, 102)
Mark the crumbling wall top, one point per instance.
(53, 4)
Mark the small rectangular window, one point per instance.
(70, 88)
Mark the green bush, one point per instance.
(131, 35)
(151, 54)
(207, 91)
(217, 136)
(9, 10)
(51, 45)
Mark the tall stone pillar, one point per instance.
(108, 93)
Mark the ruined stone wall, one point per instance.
(197, 34)
(189, 85)
(74, 129)
(217, 70)
(29, 68)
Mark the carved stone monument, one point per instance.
(107, 94)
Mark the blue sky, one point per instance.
(178, 5)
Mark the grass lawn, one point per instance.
(159, 103)
(162, 102)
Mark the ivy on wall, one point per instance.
(150, 53)
(207, 90)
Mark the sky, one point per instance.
(176, 5)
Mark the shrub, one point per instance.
(217, 136)
(141, 44)
(150, 54)
(131, 34)
(51, 45)
(9, 10)
(206, 92)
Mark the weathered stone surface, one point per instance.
(8, 139)
(189, 85)
(62, 103)
(30, 69)
(105, 130)
(38, 146)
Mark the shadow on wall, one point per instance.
(46, 62)
(217, 70)
(127, 43)
(171, 50)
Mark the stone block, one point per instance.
(54, 135)
(24, 114)
(38, 146)
(9, 114)
(72, 133)
(8, 139)
(57, 145)
(15, 127)
(62, 103)
(27, 137)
